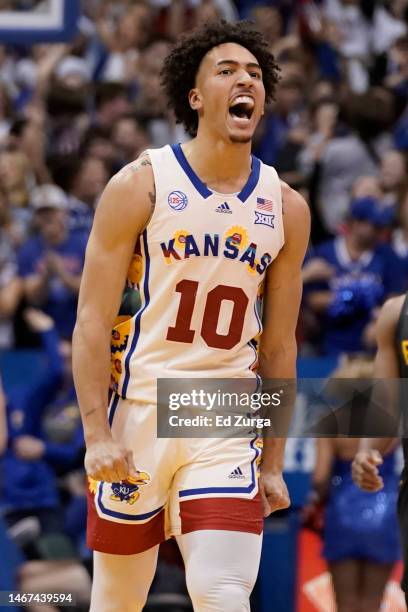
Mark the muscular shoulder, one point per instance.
(136, 178)
(128, 199)
(388, 319)
(296, 215)
(293, 204)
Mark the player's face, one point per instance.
(229, 95)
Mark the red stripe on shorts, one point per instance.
(226, 513)
(122, 538)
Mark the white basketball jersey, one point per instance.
(199, 266)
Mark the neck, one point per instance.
(217, 161)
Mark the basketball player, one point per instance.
(391, 363)
(207, 221)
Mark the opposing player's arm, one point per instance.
(364, 469)
(121, 215)
(278, 350)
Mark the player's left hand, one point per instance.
(274, 492)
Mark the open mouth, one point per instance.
(242, 108)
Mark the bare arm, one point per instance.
(121, 215)
(365, 471)
(278, 350)
(9, 297)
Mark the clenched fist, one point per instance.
(274, 492)
(106, 460)
(365, 472)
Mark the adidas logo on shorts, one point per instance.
(237, 473)
(224, 208)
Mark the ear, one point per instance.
(194, 97)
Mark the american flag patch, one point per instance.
(263, 204)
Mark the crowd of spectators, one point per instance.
(72, 114)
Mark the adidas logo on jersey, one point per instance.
(237, 473)
(224, 208)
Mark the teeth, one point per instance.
(244, 100)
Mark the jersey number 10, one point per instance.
(182, 332)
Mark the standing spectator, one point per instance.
(338, 154)
(365, 273)
(123, 35)
(50, 263)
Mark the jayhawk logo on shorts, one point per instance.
(128, 490)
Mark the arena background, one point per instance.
(79, 98)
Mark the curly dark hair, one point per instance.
(181, 65)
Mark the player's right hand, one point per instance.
(108, 461)
(365, 472)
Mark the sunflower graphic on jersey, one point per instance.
(180, 237)
(119, 342)
(129, 307)
(237, 235)
(135, 272)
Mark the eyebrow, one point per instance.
(235, 63)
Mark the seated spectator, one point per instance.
(29, 137)
(40, 557)
(10, 284)
(366, 187)
(130, 138)
(111, 101)
(97, 142)
(5, 113)
(399, 238)
(50, 263)
(282, 119)
(15, 178)
(3, 428)
(364, 273)
(397, 78)
(83, 179)
(393, 173)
